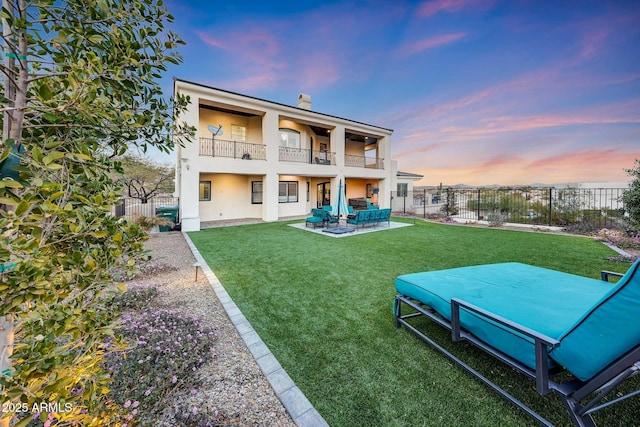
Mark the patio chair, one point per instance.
(538, 321)
(317, 218)
(328, 218)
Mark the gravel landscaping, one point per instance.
(231, 389)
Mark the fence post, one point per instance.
(448, 201)
(424, 203)
(550, 206)
(478, 208)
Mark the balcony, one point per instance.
(363, 162)
(232, 149)
(303, 155)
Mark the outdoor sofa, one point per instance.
(370, 217)
(540, 322)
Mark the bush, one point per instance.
(164, 349)
(148, 222)
(146, 267)
(631, 197)
(622, 239)
(496, 219)
(134, 298)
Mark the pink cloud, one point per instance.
(322, 71)
(513, 170)
(211, 41)
(593, 42)
(430, 8)
(429, 43)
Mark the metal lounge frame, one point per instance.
(572, 392)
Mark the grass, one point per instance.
(323, 306)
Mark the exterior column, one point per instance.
(189, 198)
(270, 190)
(337, 145)
(188, 174)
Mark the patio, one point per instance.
(357, 231)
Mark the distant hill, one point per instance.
(534, 185)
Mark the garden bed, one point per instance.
(227, 389)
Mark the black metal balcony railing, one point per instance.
(244, 150)
(363, 162)
(233, 149)
(303, 155)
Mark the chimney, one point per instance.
(304, 101)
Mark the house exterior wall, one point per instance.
(220, 160)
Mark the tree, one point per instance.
(631, 197)
(144, 179)
(80, 90)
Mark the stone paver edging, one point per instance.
(295, 402)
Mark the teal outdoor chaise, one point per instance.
(538, 321)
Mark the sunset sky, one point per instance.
(477, 91)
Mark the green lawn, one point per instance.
(323, 306)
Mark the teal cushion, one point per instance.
(606, 332)
(547, 301)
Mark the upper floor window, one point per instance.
(290, 138)
(239, 133)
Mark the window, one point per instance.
(256, 192)
(238, 133)
(403, 190)
(290, 138)
(288, 192)
(205, 191)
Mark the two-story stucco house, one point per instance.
(254, 158)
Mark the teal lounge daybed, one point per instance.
(538, 321)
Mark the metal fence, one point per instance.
(589, 207)
(130, 208)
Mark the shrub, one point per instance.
(496, 219)
(621, 239)
(631, 197)
(165, 348)
(148, 222)
(146, 267)
(134, 298)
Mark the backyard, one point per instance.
(323, 306)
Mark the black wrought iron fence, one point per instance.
(588, 207)
(130, 208)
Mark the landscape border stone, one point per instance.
(295, 402)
